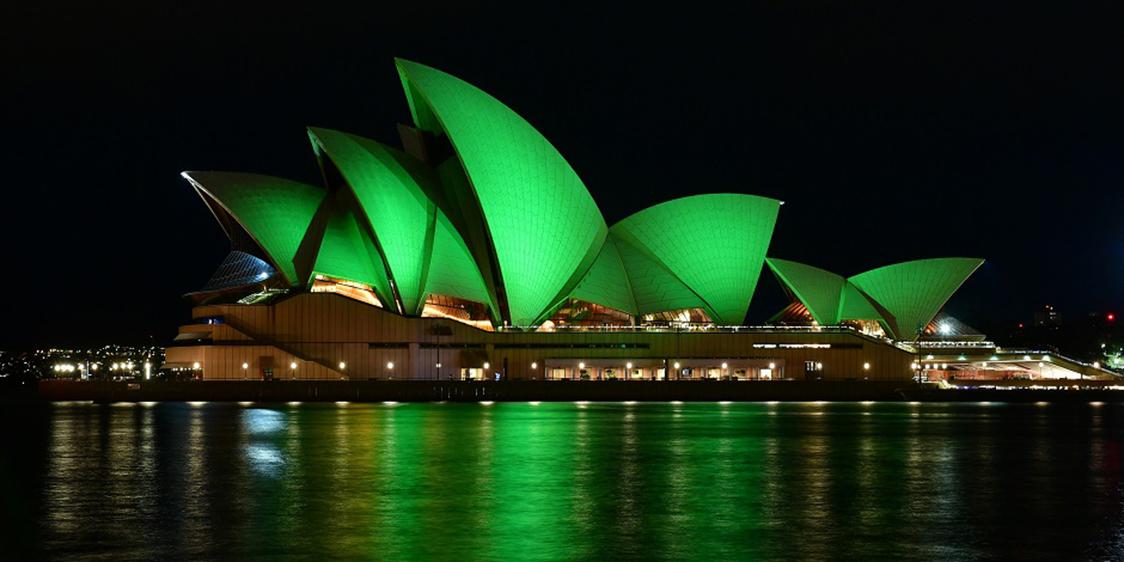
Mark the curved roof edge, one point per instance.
(275, 212)
(543, 225)
(387, 185)
(606, 282)
(913, 292)
(714, 243)
(819, 290)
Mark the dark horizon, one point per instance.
(891, 134)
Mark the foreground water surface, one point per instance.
(563, 481)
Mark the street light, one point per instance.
(390, 365)
(343, 365)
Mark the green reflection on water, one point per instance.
(565, 481)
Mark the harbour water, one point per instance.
(562, 481)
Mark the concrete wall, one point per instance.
(318, 331)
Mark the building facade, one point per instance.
(475, 251)
(329, 336)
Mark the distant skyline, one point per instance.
(891, 133)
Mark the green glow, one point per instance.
(542, 221)
(715, 244)
(914, 291)
(819, 290)
(387, 184)
(654, 287)
(506, 221)
(452, 271)
(607, 283)
(347, 253)
(854, 305)
(275, 212)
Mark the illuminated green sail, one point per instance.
(819, 290)
(452, 271)
(275, 212)
(346, 252)
(543, 225)
(607, 282)
(914, 291)
(387, 184)
(714, 244)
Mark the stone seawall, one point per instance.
(465, 391)
(522, 391)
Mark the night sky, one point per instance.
(892, 132)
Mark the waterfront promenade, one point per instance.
(547, 391)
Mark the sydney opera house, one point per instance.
(476, 252)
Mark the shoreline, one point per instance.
(542, 391)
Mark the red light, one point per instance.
(1111, 317)
(1020, 324)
